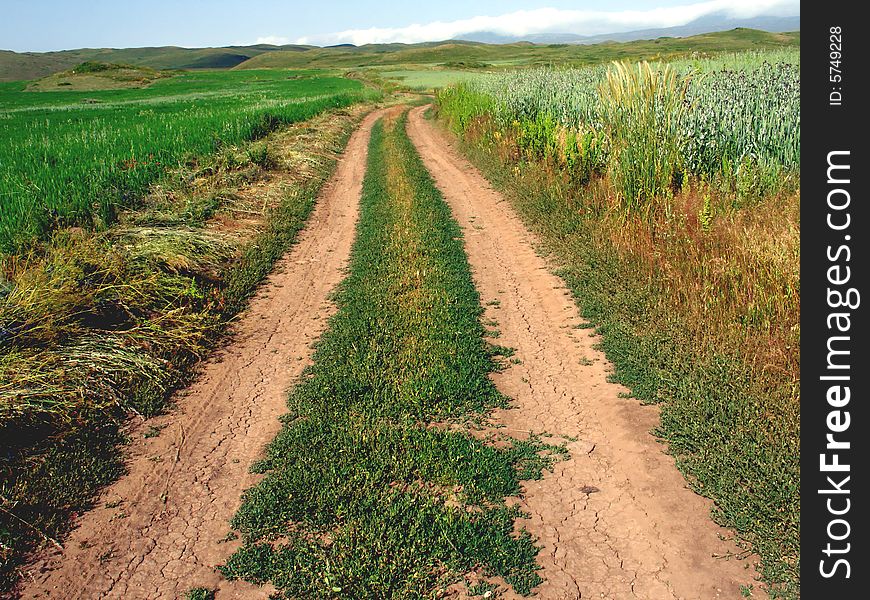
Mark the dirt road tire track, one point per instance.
(617, 520)
(158, 531)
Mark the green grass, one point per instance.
(200, 594)
(76, 158)
(427, 80)
(682, 333)
(95, 326)
(366, 494)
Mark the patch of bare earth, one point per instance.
(617, 520)
(161, 530)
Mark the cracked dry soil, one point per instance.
(160, 530)
(617, 520)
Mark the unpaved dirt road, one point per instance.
(615, 521)
(158, 531)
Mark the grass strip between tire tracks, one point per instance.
(376, 487)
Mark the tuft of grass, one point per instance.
(200, 593)
(641, 107)
(366, 494)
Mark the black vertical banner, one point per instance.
(835, 299)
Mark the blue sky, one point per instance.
(42, 25)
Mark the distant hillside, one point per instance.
(28, 65)
(20, 66)
(455, 52)
(34, 65)
(707, 24)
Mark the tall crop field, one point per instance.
(75, 158)
(734, 119)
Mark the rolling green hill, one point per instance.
(29, 65)
(92, 76)
(520, 54)
(15, 66)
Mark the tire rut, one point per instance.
(617, 520)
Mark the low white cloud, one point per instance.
(275, 40)
(552, 20)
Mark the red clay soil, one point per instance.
(617, 520)
(161, 529)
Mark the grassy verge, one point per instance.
(699, 309)
(374, 488)
(97, 326)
